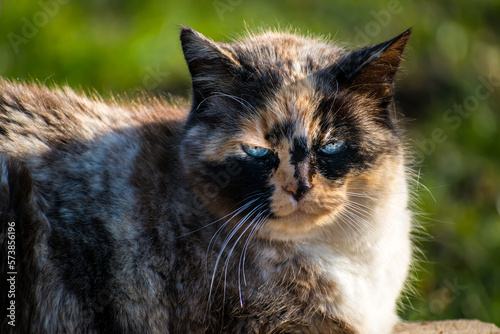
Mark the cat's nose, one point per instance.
(298, 190)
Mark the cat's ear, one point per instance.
(372, 69)
(211, 64)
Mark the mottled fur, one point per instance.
(143, 217)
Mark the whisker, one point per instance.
(258, 223)
(357, 219)
(358, 205)
(243, 102)
(235, 230)
(252, 224)
(343, 221)
(228, 239)
(218, 220)
(236, 212)
(354, 223)
(373, 194)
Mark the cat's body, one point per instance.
(277, 205)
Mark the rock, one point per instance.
(446, 327)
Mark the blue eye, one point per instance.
(255, 151)
(333, 148)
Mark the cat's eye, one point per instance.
(256, 151)
(333, 148)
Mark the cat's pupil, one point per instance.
(256, 151)
(333, 148)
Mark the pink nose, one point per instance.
(297, 190)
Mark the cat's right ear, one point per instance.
(212, 65)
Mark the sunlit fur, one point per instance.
(149, 216)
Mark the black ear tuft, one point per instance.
(372, 69)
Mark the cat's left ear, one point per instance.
(372, 69)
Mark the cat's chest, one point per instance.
(319, 275)
(350, 283)
(307, 275)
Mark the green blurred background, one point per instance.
(450, 91)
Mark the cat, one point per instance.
(276, 201)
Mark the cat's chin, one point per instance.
(295, 226)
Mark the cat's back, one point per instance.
(84, 153)
(81, 163)
(35, 119)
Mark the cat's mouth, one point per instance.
(293, 226)
(300, 216)
(311, 205)
(293, 218)
(293, 207)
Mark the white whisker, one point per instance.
(256, 222)
(218, 220)
(219, 230)
(227, 240)
(235, 230)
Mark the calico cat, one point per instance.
(275, 203)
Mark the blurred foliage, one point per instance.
(449, 90)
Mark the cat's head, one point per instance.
(287, 133)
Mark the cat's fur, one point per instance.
(143, 218)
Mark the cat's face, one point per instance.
(286, 133)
